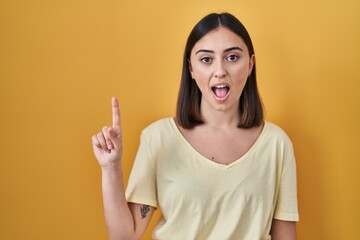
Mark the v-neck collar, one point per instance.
(209, 161)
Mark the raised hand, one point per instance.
(107, 144)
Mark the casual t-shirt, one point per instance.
(201, 199)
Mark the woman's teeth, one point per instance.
(220, 90)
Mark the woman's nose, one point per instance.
(220, 70)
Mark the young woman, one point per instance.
(216, 170)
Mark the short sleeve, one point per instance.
(286, 206)
(142, 181)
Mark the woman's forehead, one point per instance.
(219, 39)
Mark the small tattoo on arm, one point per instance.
(144, 211)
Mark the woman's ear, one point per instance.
(191, 69)
(251, 63)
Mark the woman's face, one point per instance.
(220, 64)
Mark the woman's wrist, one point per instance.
(114, 167)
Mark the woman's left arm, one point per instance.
(283, 230)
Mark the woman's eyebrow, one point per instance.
(233, 48)
(226, 50)
(204, 50)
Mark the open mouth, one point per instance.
(221, 91)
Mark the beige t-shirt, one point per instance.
(201, 199)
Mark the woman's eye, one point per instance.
(233, 58)
(206, 60)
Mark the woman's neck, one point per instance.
(228, 118)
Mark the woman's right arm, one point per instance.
(123, 220)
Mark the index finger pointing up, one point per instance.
(115, 112)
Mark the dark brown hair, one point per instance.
(188, 113)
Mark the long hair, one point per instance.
(188, 113)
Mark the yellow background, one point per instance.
(61, 61)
